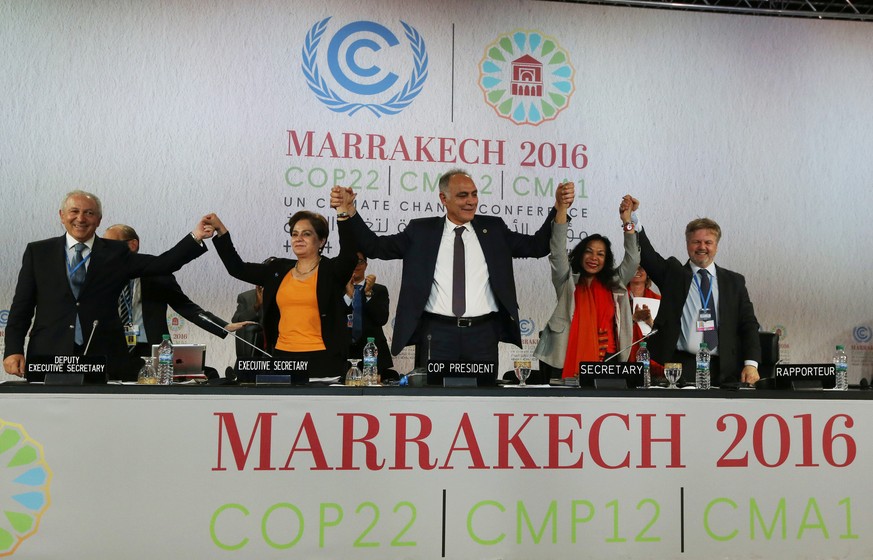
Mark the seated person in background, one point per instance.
(640, 286)
(303, 308)
(249, 307)
(368, 320)
(592, 318)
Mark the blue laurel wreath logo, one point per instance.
(336, 103)
(862, 334)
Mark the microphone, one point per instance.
(642, 338)
(90, 336)
(208, 320)
(428, 347)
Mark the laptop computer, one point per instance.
(189, 360)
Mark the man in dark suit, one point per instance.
(249, 308)
(146, 303)
(457, 293)
(69, 287)
(702, 302)
(374, 314)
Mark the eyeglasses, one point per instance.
(362, 261)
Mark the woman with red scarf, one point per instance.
(592, 318)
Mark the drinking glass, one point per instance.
(522, 374)
(673, 373)
(147, 375)
(354, 375)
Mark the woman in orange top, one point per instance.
(304, 312)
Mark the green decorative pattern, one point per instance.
(24, 486)
(555, 80)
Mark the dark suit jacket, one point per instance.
(418, 246)
(160, 291)
(737, 326)
(375, 316)
(333, 275)
(43, 294)
(245, 311)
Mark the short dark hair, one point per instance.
(607, 272)
(319, 223)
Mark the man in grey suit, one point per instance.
(68, 287)
(457, 293)
(702, 302)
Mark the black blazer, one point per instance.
(245, 311)
(375, 317)
(160, 291)
(418, 246)
(737, 325)
(43, 294)
(333, 275)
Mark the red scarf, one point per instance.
(592, 331)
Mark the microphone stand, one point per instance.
(90, 337)
(642, 338)
(233, 334)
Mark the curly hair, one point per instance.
(607, 273)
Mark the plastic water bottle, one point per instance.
(165, 361)
(702, 378)
(371, 362)
(643, 358)
(841, 368)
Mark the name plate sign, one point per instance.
(452, 373)
(66, 370)
(272, 371)
(807, 376)
(628, 374)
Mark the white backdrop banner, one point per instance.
(151, 476)
(255, 109)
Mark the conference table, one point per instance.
(226, 471)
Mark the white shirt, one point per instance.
(479, 297)
(689, 337)
(71, 252)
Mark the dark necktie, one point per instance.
(459, 296)
(77, 278)
(709, 337)
(358, 313)
(125, 305)
(77, 269)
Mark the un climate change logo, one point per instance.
(24, 486)
(527, 327)
(526, 77)
(862, 334)
(351, 66)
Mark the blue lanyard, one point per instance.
(81, 263)
(703, 301)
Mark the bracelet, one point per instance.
(342, 214)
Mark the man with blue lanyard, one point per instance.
(702, 302)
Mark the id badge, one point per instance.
(705, 321)
(130, 334)
(350, 319)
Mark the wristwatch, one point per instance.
(627, 226)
